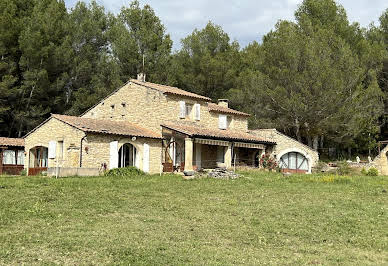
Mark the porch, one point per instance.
(188, 152)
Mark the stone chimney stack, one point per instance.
(223, 102)
(141, 77)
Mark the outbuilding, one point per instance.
(292, 156)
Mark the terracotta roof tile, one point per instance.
(170, 90)
(220, 109)
(11, 142)
(198, 131)
(107, 126)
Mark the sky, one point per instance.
(243, 20)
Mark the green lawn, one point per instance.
(153, 220)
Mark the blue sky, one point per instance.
(243, 20)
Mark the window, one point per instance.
(123, 104)
(60, 149)
(189, 108)
(9, 157)
(20, 158)
(112, 106)
(222, 121)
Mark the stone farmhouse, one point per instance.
(154, 127)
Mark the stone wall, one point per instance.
(286, 144)
(98, 147)
(95, 147)
(150, 108)
(381, 162)
(56, 130)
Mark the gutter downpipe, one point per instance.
(80, 153)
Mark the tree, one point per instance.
(93, 72)
(12, 15)
(207, 63)
(316, 77)
(137, 34)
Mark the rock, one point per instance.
(189, 173)
(222, 173)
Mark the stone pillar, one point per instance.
(228, 156)
(188, 154)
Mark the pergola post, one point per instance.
(188, 154)
(228, 155)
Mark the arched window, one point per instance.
(127, 155)
(294, 162)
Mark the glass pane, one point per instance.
(292, 160)
(284, 161)
(20, 158)
(9, 157)
(302, 162)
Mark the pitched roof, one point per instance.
(170, 90)
(199, 131)
(107, 126)
(273, 134)
(18, 142)
(221, 109)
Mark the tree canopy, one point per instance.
(318, 78)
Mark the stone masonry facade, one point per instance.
(286, 144)
(150, 108)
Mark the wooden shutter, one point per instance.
(146, 158)
(197, 109)
(114, 155)
(52, 149)
(222, 121)
(182, 109)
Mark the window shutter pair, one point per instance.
(197, 108)
(52, 149)
(222, 121)
(182, 109)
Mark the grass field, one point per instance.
(152, 220)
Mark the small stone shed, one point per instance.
(292, 155)
(11, 155)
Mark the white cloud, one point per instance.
(243, 20)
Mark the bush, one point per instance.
(268, 162)
(344, 168)
(23, 172)
(125, 171)
(372, 172)
(364, 171)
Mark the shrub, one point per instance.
(344, 168)
(372, 172)
(125, 171)
(268, 162)
(364, 171)
(23, 172)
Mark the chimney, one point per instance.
(223, 102)
(141, 77)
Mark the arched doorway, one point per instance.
(127, 155)
(294, 162)
(38, 160)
